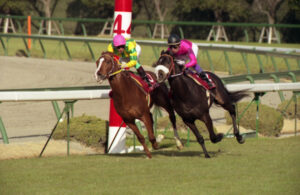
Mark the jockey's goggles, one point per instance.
(174, 46)
(121, 46)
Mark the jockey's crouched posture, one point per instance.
(128, 51)
(185, 53)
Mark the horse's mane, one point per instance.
(108, 53)
(167, 52)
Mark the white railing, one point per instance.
(84, 94)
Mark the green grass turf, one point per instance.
(260, 166)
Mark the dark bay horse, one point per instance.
(130, 99)
(191, 102)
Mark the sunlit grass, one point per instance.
(260, 166)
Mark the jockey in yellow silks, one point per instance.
(128, 51)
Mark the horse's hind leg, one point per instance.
(231, 110)
(140, 137)
(199, 137)
(225, 102)
(214, 138)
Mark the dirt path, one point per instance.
(22, 119)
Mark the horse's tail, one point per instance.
(233, 96)
(237, 95)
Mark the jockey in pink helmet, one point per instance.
(185, 53)
(128, 51)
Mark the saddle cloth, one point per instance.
(200, 81)
(143, 83)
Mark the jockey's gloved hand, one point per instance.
(180, 62)
(124, 65)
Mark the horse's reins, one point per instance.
(111, 73)
(172, 68)
(114, 61)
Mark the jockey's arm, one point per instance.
(132, 55)
(193, 59)
(110, 48)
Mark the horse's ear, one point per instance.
(169, 52)
(162, 52)
(154, 64)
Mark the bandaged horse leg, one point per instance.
(172, 118)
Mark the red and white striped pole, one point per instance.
(122, 18)
(122, 25)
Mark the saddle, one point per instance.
(200, 81)
(143, 83)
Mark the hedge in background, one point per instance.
(270, 120)
(290, 111)
(88, 130)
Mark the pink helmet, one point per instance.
(119, 40)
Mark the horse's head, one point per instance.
(106, 65)
(164, 67)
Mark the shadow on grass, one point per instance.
(167, 153)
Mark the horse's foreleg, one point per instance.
(236, 131)
(172, 118)
(208, 122)
(140, 137)
(162, 100)
(199, 137)
(148, 121)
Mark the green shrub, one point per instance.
(290, 110)
(270, 120)
(88, 130)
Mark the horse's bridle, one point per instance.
(172, 72)
(114, 62)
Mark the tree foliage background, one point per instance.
(237, 11)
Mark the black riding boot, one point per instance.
(142, 73)
(204, 77)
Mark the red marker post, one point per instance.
(122, 25)
(122, 18)
(29, 30)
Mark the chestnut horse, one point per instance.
(131, 101)
(191, 102)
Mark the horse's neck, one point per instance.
(119, 83)
(116, 81)
(181, 85)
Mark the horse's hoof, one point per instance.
(179, 147)
(159, 138)
(218, 138)
(207, 156)
(240, 139)
(179, 144)
(155, 146)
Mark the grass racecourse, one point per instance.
(260, 166)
